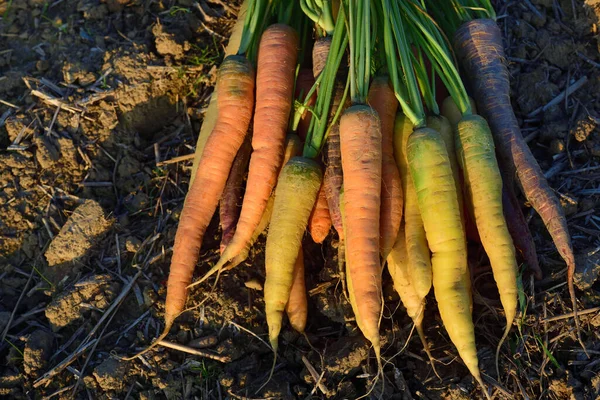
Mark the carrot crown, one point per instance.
(428, 37)
(451, 14)
(359, 29)
(321, 13)
(254, 24)
(326, 82)
(400, 61)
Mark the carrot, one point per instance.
(450, 110)
(397, 264)
(383, 100)
(434, 183)
(319, 222)
(452, 114)
(293, 148)
(319, 54)
(236, 101)
(277, 55)
(304, 82)
(332, 185)
(297, 307)
(295, 195)
(419, 259)
(431, 172)
(519, 230)
(333, 178)
(210, 117)
(479, 47)
(360, 144)
(232, 194)
(517, 226)
(442, 125)
(475, 147)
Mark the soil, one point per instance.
(98, 96)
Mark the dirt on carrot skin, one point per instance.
(132, 79)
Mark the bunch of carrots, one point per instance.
(359, 141)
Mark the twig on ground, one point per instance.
(175, 160)
(570, 90)
(570, 315)
(317, 378)
(63, 364)
(196, 352)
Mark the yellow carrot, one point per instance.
(419, 258)
(477, 157)
(434, 183)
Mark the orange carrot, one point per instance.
(277, 54)
(293, 148)
(232, 194)
(319, 223)
(319, 54)
(297, 307)
(360, 130)
(333, 179)
(210, 116)
(383, 100)
(235, 105)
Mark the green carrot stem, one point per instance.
(326, 82)
(321, 13)
(428, 38)
(254, 24)
(412, 105)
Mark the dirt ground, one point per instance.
(100, 106)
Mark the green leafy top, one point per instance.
(400, 62)
(450, 14)
(321, 13)
(316, 135)
(428, 37)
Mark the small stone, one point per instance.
(84, 228)
(583, 128)
(226, 380)
(132, 244)
(182, 336)
(346, 356)
(586, 204)
(98, 291)
(587, 269)
(160, 383)
(111, 374)
(116, 6)
(42, 65)
(253, 284)
(46, 153)
(596, 385)
(90, 382)
(147, 395)
(137, 201)
(37, 352)
(595, 321)
(150, 296)
(168, 43)
(14, 126)
(557, 146)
